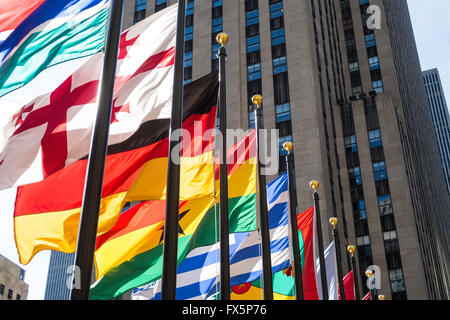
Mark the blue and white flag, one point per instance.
(198, 275)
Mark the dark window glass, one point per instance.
(281, 88)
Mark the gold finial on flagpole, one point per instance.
(333, 221)
(222, 38)
(288, 146)
(351, 249)
(257, 100)
(314, 185)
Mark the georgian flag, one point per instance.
(54, 130)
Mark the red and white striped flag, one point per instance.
(368, 296)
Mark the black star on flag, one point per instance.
(180, 230)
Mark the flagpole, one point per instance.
(263, 214)
(351, 249)
(323, 272)
(297, 267)
(92, 194)
(334, 221)
(170, 245)
(222, 39)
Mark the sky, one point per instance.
(432, 34)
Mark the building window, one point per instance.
(374, 63)
(359, 209)
(379, 169)
(160, 4)
(355, 176)
(254, 71)
(139, 10)
(385, 205)
(18, 297)
(10, 294)
(350, 144)
(378, 86)
(22, 274)
(375, 138)
(2, 289)
(396, 279)
(283, 112)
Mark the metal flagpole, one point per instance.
(297, 267)
(170, 246)
(323, 272)
(87, 233)
(222, 39)
(373, 292)
(264, 218)
(337, 244)
(351, 249)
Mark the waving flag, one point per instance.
(36, 35)
(349, 287)
(282, 281)
(54, 130)
(197, 276)
(46, 213)
(283, 288)
(123, 264)
(330, 266)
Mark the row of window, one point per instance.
(387, 220)
(188, 41)
(10, 293)
(362, 233)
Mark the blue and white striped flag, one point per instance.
(198, 274)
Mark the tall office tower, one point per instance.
(441, 118)
(352, 101)
(56, 287)
(12, 284)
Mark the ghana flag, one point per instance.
(47, 213)
(283, 283)
(130, 254)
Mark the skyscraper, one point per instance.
(12, 284)
(441, 118)
(341, 79)
(56, 288)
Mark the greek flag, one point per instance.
(198, 274)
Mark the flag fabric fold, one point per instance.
(46, 213)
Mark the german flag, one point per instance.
(47, 213)
(130, 254)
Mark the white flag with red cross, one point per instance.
(53, 130)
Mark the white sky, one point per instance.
(432, 37)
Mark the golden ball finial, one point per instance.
(351, 249)
(333, 221)
(369, 273)
(381, 297)
(222, 38)
(314, 185)
(288, 146)
(257, 100)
